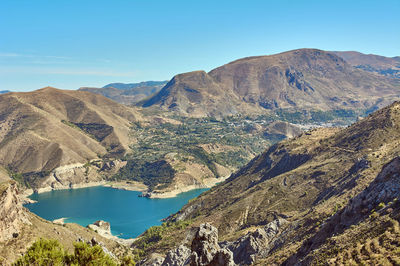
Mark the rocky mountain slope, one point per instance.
(386, 66)
(55, 130)
(130, 93)
(329, 195)
(298, 79)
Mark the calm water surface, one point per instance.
(128, 214)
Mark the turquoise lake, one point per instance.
(128, 214)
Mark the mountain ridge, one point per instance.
(127, 93)
(303, 78)
(386, 66)
(49, 128)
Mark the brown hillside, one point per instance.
(387, 66)
(48, 128)
(299, 79)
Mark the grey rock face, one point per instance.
(204, 250)
(179, 256)
(204, 245)
(154, 260)
(255, 244)
(223, 257)
(12, 215)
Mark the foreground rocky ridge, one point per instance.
(12, 215)
(336, 190)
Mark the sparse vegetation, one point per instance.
(240, 136)
(151, 174)
(159, 236)
(50, 252)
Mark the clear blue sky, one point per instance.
(73, 43)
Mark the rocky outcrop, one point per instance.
(155, 259)
(205, 249)
(78, 175)
(101, 227)
(280, 130)
(255, 244)
(179, 256)
(12, 214)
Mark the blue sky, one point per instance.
(73, 43)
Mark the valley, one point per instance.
(305, 200)
(284, 145)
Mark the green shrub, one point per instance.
(150, 173)
(155, 234)
(43, 252)
(85, 254)
(127, 261)
(381, 205)
(50, 252)
(373, 215)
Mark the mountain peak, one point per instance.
(306, 78)
(48, 88)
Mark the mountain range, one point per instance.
(298, 79)
(387, 66)
(130, 93)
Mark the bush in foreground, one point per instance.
(50, 252)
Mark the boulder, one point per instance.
(255, 244)
(179, 256)
(204, 245)
(204, 250)
(103, 225)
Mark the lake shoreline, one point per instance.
(208, 183)
(128, 214)
(129, 186)
(104, 233)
